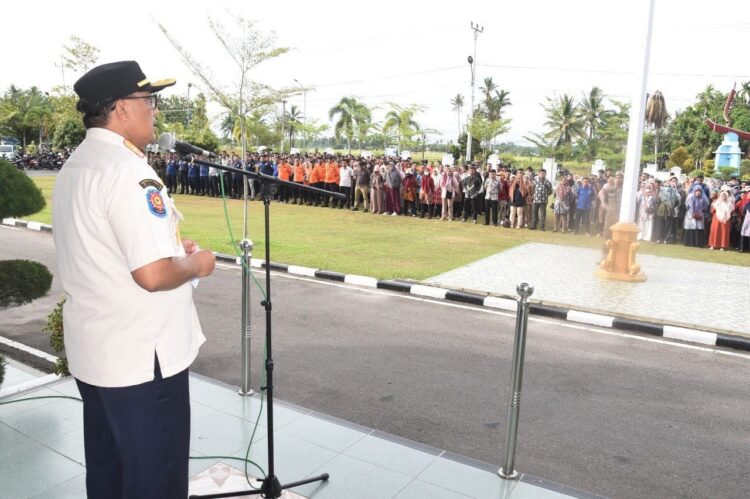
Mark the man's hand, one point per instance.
(205, 261)
(169, 273)
(190, 246)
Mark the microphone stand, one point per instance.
(270, 487)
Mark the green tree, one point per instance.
(592, 110)
(564, 123)
(679, 156)
(294, 119)
(363, 123)
(487, 88)
(347, 113)
(78, 55)
(175, 109)
(247, 47)
(24, 113)
(485, 130)
(19, 195)
(69, 133)
(500, 101)
(401, 120)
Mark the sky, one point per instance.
(404, 52)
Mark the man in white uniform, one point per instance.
(131, 330)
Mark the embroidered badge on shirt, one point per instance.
(155, 203)
(149, 182)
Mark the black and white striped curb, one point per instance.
(503, 303)
(27, 225)
(674, 332)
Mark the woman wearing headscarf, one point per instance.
(376, 190)
(437, 198)
(646, 211)
(517, 200)
(696, 207)
(561, 208)
(448, 189)
(722, 210)
(669, 199)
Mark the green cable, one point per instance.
(245, 459)
(235, 246)
(265, 350)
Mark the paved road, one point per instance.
(606, 412)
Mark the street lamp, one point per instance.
(304, 109)
(190, 107)
(477, 29)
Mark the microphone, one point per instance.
(168, 141)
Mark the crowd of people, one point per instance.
(694, 212)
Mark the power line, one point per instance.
(608, 71)
(387, 77)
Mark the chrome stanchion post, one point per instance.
(508, 471)
(247, 247)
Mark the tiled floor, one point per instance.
(41, 452)
(676, 291)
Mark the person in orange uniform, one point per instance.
(314, 181)
(320, 167)
(299, 178)
(285, 174)
(332, 179)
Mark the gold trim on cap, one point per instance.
(164, 82)
(143, 82)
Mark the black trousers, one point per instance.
(343, 189)
(213, 182)
(137, 438)
(490, 208)
(183, 182)
(172, 183)
(471, 207)
(195, 183)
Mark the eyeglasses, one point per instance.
(153, 98)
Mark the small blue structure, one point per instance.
(729, 153)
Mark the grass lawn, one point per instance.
(374, 245)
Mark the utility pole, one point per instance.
(190, 106)
(283, 120)
(472, 65)
(304, 110)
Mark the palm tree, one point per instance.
(744, 93)
(496, 104)
(564, 121)
(458, 102)
(656, 116)
(487, 89)
(294, 120)
(363, 122)
(402, 120)
(592, 110)
(349, 112)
